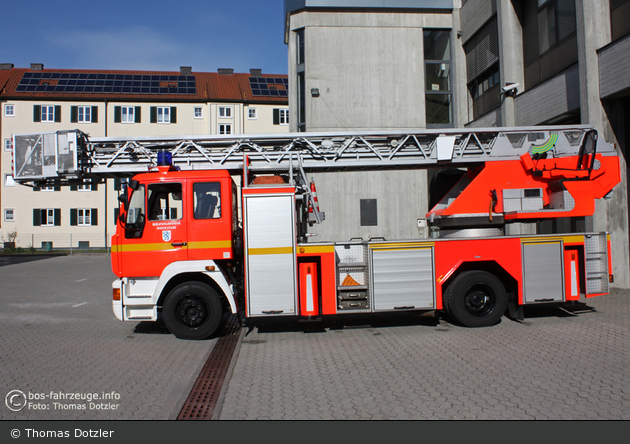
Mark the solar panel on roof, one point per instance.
(55, 82)
(269, 86)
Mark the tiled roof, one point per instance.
(208, 86)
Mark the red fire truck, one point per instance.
(220, 224)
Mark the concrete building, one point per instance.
(400, 64)
(116, 104)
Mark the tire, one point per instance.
(476, 299)
(192, 310)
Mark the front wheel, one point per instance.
(192, 310)
(476, 299)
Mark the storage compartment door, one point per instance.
(403, 279)
(542, 272)
(270, 255)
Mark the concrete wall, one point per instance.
(369, 70)
(380, 83)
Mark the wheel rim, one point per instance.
(192, 311)
(479, 300)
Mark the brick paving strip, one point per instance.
(205, 394)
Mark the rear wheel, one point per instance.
(192, 310)
(476, 299)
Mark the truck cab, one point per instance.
(176, 227)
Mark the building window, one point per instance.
(47, 189)
(8, 180)
(84, 114)
(83, 217)
(280, 116)
(299, 46)
(9, 215)
(128, 114)
(225, 128)
(225, 112)
(46, 217)
(301, 79)
(438, 89)
(9, 110)
(549, 38)
(482, 67)
(619, 18)
(163, 114)
(84, 187)
(198, 112)
(47, 113)
(252, 114)
(7, 145)
(301, 124)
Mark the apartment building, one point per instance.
(116, 104)
(399, 64)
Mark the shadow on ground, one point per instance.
(10, 259)
(364, 320)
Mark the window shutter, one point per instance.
(37, 113)
(57, 113)
(73, 188)
(173, 114)
(117, 114)
(73, 217)
(37, 217)
(58, 188)
(94, 186)
(154, 114)
(74, 114)
(116, 213)
(57, 217)
(482, 50)
(95, 114)
(94, 215)
(137, 114)
(276, 117)
(116, 184)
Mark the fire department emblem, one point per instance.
(166, 235)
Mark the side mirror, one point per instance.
(133, 184)
(124, 201)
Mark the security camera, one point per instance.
(511, 88)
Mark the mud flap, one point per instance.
(514, 310)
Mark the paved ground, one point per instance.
(59, 336)
(553, 366)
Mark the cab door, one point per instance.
(156, 229)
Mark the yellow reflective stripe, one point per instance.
(168, 246)
(210, 244)
(276, 250)
(144, 247)
(312, 249)
(542, 240)
(401, 246)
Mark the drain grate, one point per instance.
(205, 393)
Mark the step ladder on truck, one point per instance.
(210, 225)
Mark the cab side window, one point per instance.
(165, 201)
(207, 200)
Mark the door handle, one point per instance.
(178, 244)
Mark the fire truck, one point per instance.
(213, 225)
